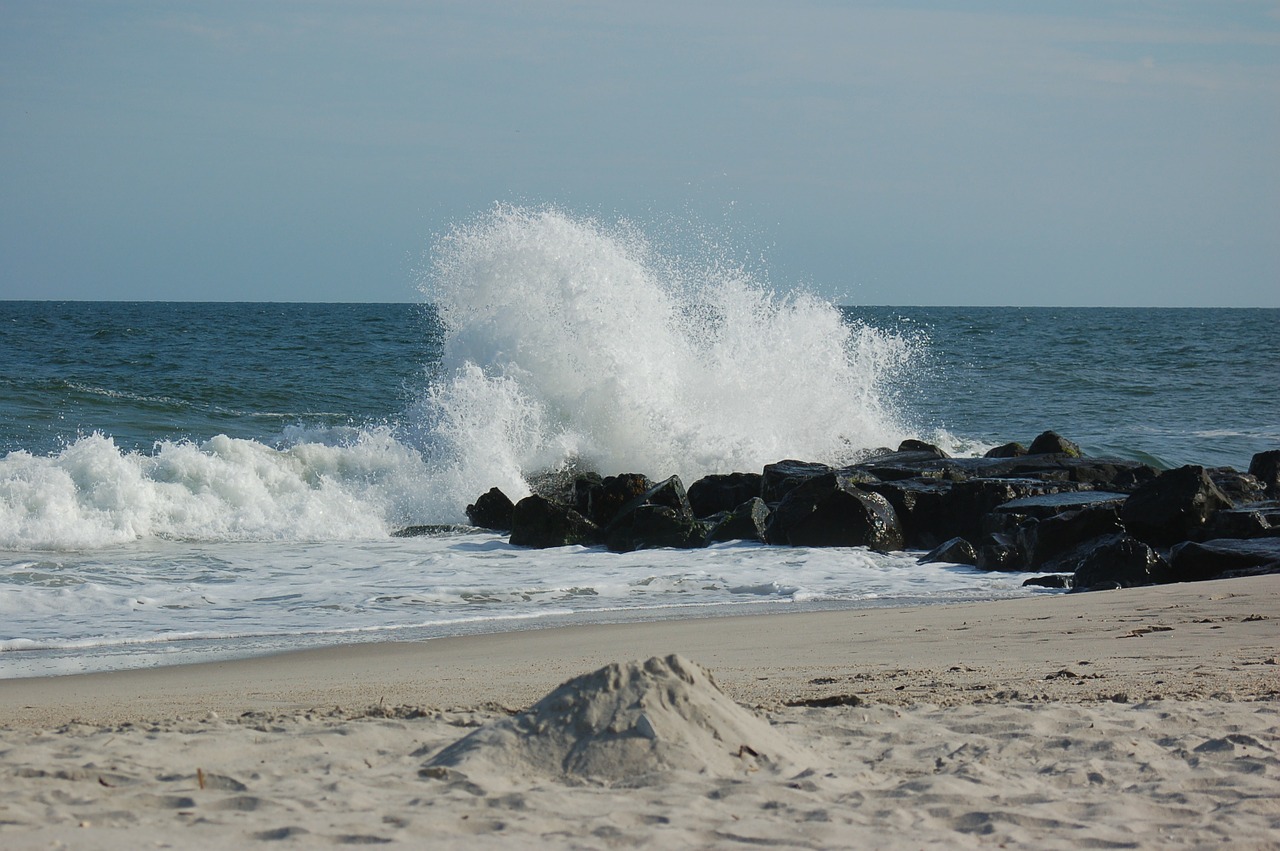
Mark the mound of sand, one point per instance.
(624, 725)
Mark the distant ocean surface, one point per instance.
(181, 482)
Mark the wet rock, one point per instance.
(912, 445)
(1265, 467)
(779, 479)
(1052, 443)
(1006, 450)
(1119, 560)
(723, 492)
(998, 552)
(1172, 506)
(492, 510)
(647, 527)
(908, 464)
(831, 511)
(434, 530)
(1045, 505)
(1052, 580)
(1197, 560)
(1046, 541)
(1236, 486)
(1255, 520)
(954, 551)
(966, 503)
(747, 522)
(540, 523)
(557, 485)
(600, 499)
(659, 517)
(917, 503)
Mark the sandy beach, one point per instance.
(1135, 718)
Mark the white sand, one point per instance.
(1139, 718)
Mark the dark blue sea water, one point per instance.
(187, 481)
(1167, 386)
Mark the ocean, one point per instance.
(193, 481)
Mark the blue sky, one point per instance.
(1047, 153)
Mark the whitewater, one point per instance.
(186, 482)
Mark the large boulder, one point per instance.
(917, 502)
(723, 492)
(492, 510)
(747, 522)
(954, 551)
(1254, 520)
(913, 445)
(540, 523)
(831, 511)
(999, 552)
(557, 485)
(1172, 506)
(1265, 467)
(966, 503)
(600, 499)
(1052, 443)
(1045, 541)
(659, 517)
(1046, 505)
(778, 479)
(1193, 561)
(1237, 486)
(1119, 561)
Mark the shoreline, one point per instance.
(1143, 642)
(1137, 718)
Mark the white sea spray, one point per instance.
(575, 343)
(569, 342)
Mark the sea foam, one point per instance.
(569, 343)
(575, 343)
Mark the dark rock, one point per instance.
(434, 530)
(1053, 580)
(538, 522)
(954, 551)
(1107, 473)
(1007, 450)
(903, 465)
(1170, 507)
(911, 445)
(659, 517)
(1045, 505)
(600, 500)
(1119, 560)
(557, 485)
(1265, 467)
(831, 511)
(998, 552)
(962, 510)
(1197, 560)
(1236, 486)
(1255, 520)
(747, 522)
(1052, 443)
(650, 526)
(780, 478)
(1053, 538)
(586, 488)
(492, 510)
(917, 503)
(723, 492)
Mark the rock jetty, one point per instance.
(1086, 523)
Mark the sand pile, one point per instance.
(625, 724)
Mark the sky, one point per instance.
(1059, 152)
